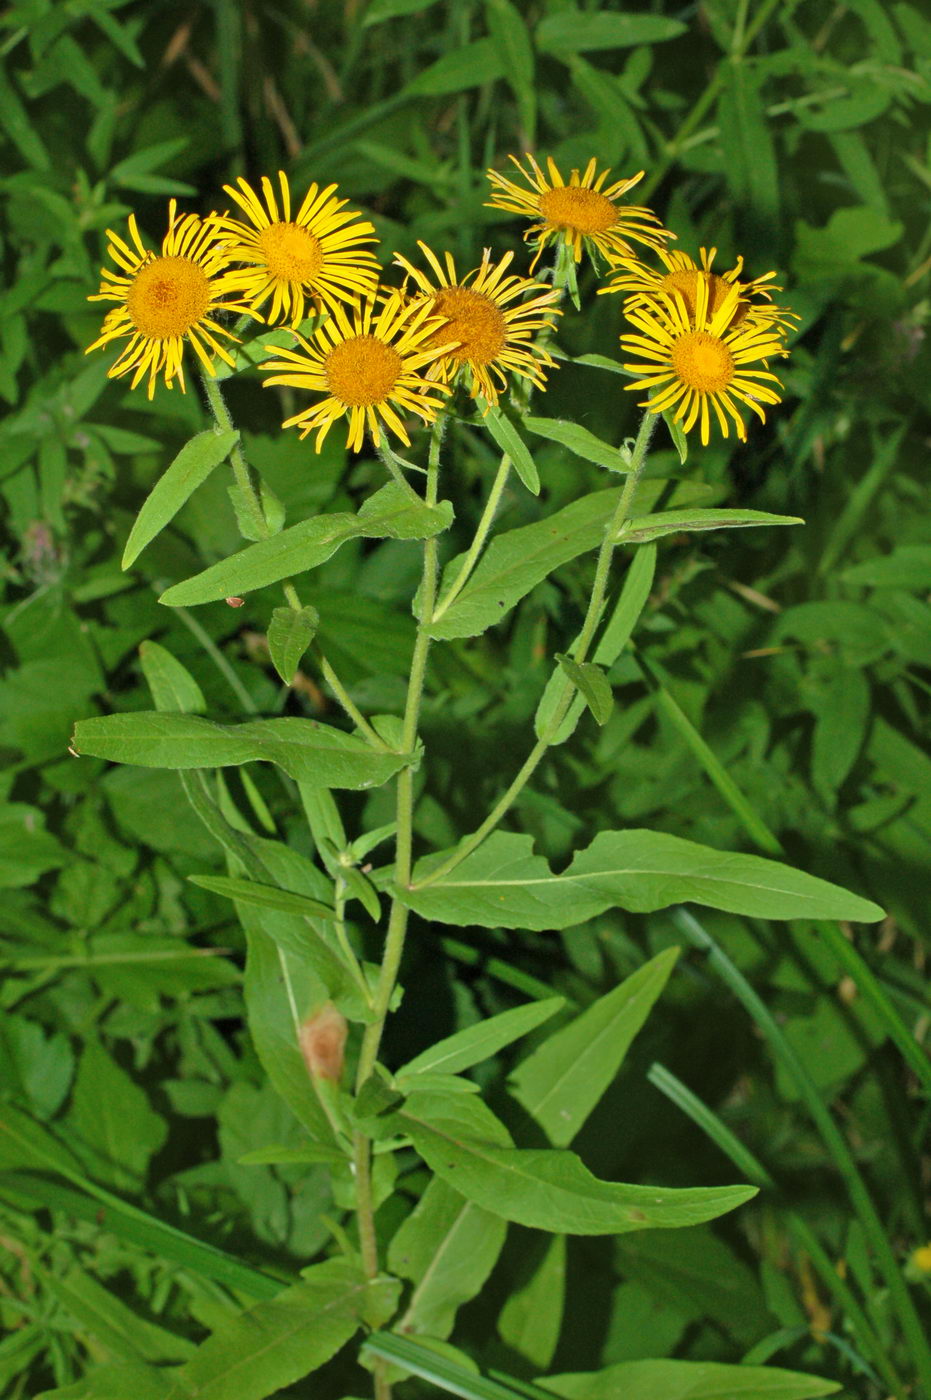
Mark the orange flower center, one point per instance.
(290, 252)
(703, 362)
(474, 320)
(167, 297)
(685, 282)
(584, 211)
(362, 371)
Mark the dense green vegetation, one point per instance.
(772, 702)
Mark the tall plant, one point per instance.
(423, 363)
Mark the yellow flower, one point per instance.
(921, 1258)
(585, 212)
(163, 301)
(683, 274)
(367, 368)
(492, 337)
(692, 359)
(315, 256)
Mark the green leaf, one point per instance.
(275, 1344)
(689, 1380)
(592, 684)
(465, 67)
(518, 560)
(580, 441)
(104, 1103)
(173, 687)
(193, 465)
(389, 514)
(908, 566)
(380, 10)
(636, 590)
(27, 850)
(444, 1227)
(672, 522)
(510, 441)
(749, 153)
(574, 31)
(503, 885)
(531, 1319)
(306, 750)
(264, 896)
(840, 730)
(560, 1083)
(680, 441)
(481, 1041)
(545, 1190)
(16, 124)
(100, 1313)
(114, 1382)
(290, 633)
(509, 33)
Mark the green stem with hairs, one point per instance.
(397, 919)
(592, 618)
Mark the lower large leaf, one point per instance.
(547, 1190)
(504, 885)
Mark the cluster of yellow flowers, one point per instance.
(377, 352)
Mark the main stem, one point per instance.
(397, 919)
(589, 626)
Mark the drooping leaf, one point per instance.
(592, 684)
(305, 749)
(547, 1190)
(190, 468)
(290, 633)
(531, 1319)
(264, 896)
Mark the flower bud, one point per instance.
(322, 1039)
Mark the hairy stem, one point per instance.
(592, 618)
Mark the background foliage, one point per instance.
(794, 133)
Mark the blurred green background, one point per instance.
(794, 133)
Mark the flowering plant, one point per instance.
(427, 361)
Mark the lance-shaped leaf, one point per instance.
(462, 1142)
(447, 1247)
(476, 1043)
(273, 1344)
(518, 560)
(564, 1078)
(193, 465)
(592, 684)
(390, 514)
(307, 751)
(581, 442)
(504, 885)
(673, 522)
(510, 441)
(172, 685)
(689, 1380)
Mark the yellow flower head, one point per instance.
(165, 300)
(692, 359)
(583, 213)
(492, 336)
(367, 368)
(921, 1258)
(316, 256)
(683, 274)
